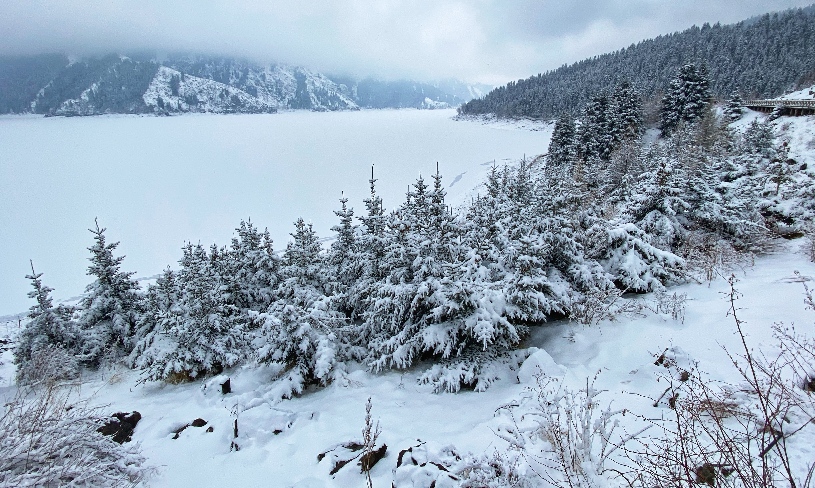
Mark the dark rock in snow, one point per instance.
(369, 459)
(121, 426)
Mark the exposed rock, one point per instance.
(121, 426)
(369, 459)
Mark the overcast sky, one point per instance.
(491, 41)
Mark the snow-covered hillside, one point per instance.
(173, 91)
(805, 94)
(281, 441)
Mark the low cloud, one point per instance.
(482, 40)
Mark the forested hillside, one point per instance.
(760, 57)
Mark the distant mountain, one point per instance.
(56, 85)
(761, 57)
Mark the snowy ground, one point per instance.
(156, 182)
(279, 442)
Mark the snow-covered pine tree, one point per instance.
(734, 108)
(430, 302)
(686, 99)
(657, 204)
(531, 297)
(300, 330)
(160, 303)
(343, 262)
(626, 107)
(759, 139)
(110, 306)
(597, 135)
(562, 149)
(251, 268)
(202, 333)
(46, 346)
(627, 255)
(371, 245)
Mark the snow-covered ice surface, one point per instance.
(156, 182)
(279, 442)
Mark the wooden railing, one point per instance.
(781, 103)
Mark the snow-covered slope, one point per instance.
(278, 85)
(805, 94)
(173, 91)
(279, 442)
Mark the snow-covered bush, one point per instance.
(48, 363)
(566, 438)
(475, 370)
(48, 440)
(627, 255)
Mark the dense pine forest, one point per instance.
(760, 57)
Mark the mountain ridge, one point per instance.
(761, 57)
(54, 84)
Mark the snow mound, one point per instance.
(539, 363)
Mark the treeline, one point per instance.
(760, 57)
(557, 237)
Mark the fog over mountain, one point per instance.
(487, 41)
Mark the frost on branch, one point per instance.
(48, 440)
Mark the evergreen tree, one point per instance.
(597, 135)
(562, 149)
(110, 307)
(49, 330)
(343, 262)
(252, 268)
(300, 329)
(687, 98)
(201, 333)
(627, 110)
(734, 108)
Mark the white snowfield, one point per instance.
(158, 182)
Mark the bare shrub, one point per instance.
(671, 304)
(809, 242)
(370, 454)
(709, 257)
(47, 440)
(603, 304)
(722, 435)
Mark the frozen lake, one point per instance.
(156, 182)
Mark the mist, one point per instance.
(487, 41)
